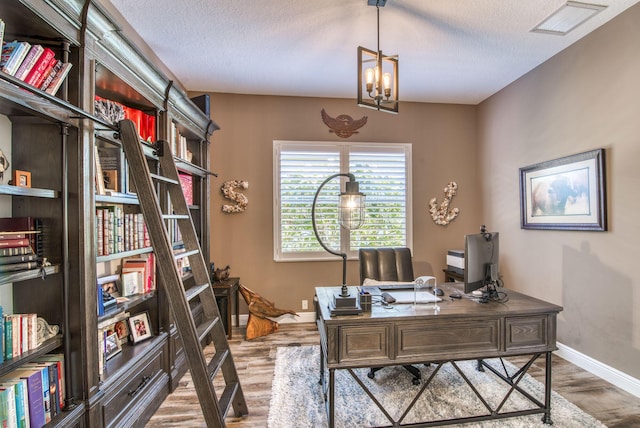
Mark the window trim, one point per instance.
(344, 149)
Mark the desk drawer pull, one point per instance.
(144, 381)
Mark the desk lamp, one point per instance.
(351, 216)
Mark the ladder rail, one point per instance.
(213, 409)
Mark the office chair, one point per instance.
(387, 264)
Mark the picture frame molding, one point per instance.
(596, 220)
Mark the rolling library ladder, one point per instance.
(202, 373)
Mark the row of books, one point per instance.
(118, 231)
(178, 144)
(113, 112)
(34, 394)
(35, 64)
(21, 243)
(19, 334)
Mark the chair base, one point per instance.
(414, 371)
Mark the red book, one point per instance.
(49, 77)
(24, 242)
(39, 66)
(38, 83)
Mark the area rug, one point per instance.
(296, 396)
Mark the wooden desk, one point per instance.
(458, 330)
(229, 290)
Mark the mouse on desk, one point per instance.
(438, 292)
(387, 298)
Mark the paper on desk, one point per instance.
(408, 296)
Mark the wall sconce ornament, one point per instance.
(240, 200)
(440, 213)
(344, 126)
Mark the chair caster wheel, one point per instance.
(415, 381)
(371, 375)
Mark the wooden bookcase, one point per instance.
(55, 138)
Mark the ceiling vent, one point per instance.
(567, 17)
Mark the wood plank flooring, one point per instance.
(255, 362)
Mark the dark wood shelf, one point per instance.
(123, 255)
(125, 306)
(24, 275)
(6, 189)
(49, 345)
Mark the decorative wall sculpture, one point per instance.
(343, 125)
(240, 200)
(441, 214)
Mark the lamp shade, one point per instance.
(351, 208)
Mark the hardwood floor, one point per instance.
(255, 362)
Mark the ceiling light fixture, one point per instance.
(569, 16)
(377, 74)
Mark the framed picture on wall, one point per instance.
(564, 194)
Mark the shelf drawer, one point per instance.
(123, 399)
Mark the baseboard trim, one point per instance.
(603, 371)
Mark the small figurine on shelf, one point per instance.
(221, 274)
(46, 331)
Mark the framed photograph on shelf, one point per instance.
(109, 285)
(564, 194)
(111, 345)
(121, 329)
(21, 178)
(140, 327)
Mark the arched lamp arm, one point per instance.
(315, 229)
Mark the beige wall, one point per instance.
(444, 149)
(586, 97)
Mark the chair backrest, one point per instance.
(386, 264)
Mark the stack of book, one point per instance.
(20, 335)
(34, 394)
(35, 64)
(20, 244)
(118, 231)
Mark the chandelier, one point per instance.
(377, 74)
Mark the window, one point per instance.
(384, 174)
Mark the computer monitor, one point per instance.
(481, 253)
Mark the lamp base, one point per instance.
(346, 305)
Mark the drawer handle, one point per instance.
(144, 381)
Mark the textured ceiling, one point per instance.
(451, 51)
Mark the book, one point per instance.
(1, 32)
(45, 73)
(1, 334)
(8, 338)
(8, 417)
(39, 66)
(15, 267)
(9, 224)
(58, 78)
(27, 63)
(7, 260)
(46, 393)
(7, 50)
(21, 403)
(15, 251)
(17, 55)
(19, 242)
(58, 359)
(50, 75)
(35, 394)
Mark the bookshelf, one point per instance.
(64, 141)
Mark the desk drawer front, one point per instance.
(446, 338)
(364, 343)
(527, 333)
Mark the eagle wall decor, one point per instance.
(343, 125)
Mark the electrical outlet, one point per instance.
(305, 304)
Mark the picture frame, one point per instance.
(140, 327)
(21, 178)
(567, 193)
(121, 329)
(109, 285)
(112, 346)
